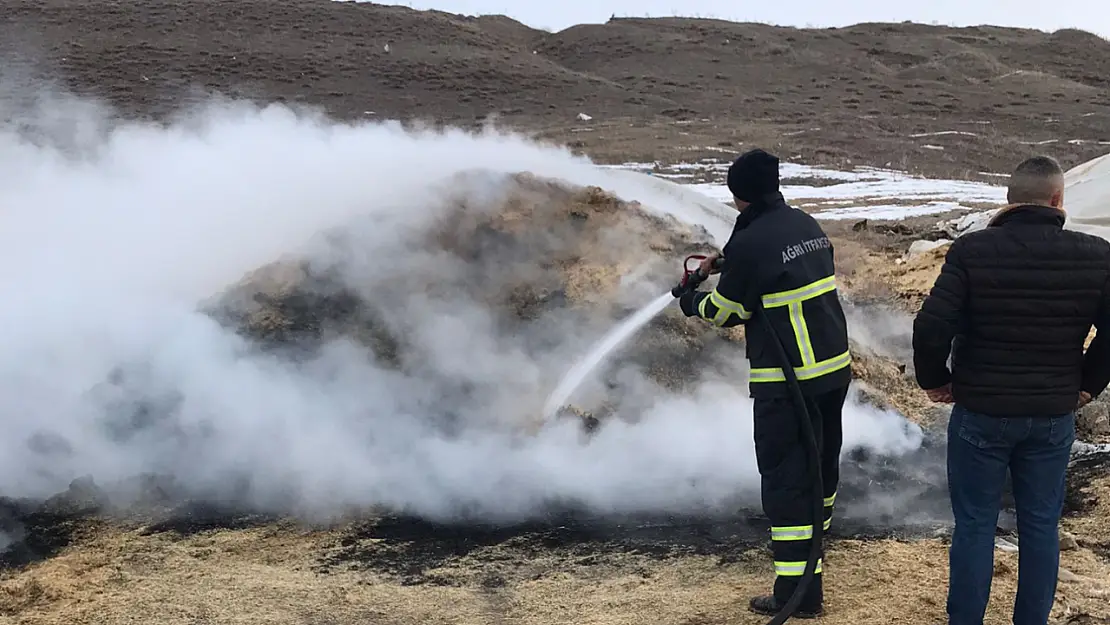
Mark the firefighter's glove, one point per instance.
(686, 303)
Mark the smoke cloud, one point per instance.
(115, 235)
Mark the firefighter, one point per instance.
(781, 256)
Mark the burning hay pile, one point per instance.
(547, 253)
(546, 258)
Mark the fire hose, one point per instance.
(691, 279)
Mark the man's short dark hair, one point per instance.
(1035, 181)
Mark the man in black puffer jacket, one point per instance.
(1013, 305)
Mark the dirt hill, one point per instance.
(837, 94)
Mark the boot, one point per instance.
(769, 606)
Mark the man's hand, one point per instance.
(1084, 399)
(706, 267)
(942, 395)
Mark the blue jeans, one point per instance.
(1036, 450)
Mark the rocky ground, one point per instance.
(839, 96)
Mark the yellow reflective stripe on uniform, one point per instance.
(796, 532)
(800, 294)
(724, 303)
(829, 502)
(722, 316)
(719, 318)
(801, 334)
(815, 370)
(793, 299)
(793, 569)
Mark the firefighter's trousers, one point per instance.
(782, 453)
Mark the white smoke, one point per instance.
(112, 233)
(884, 330)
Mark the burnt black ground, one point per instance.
(33, 534)
(880, 497)
(409, 548)
(1080, 501)
(196, 517)
(36, 531)
(1086, 619)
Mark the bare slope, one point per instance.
(832, 95)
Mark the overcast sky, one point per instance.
(1090, 15)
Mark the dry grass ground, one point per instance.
(271, 576)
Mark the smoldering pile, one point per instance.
(537, 270)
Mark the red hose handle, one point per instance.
(691, 278)
(686, 270)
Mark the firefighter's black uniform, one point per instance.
(782, 255)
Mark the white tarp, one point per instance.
(1087, 197)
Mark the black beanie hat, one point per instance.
(753, 175)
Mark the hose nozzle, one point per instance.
(692, 278)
